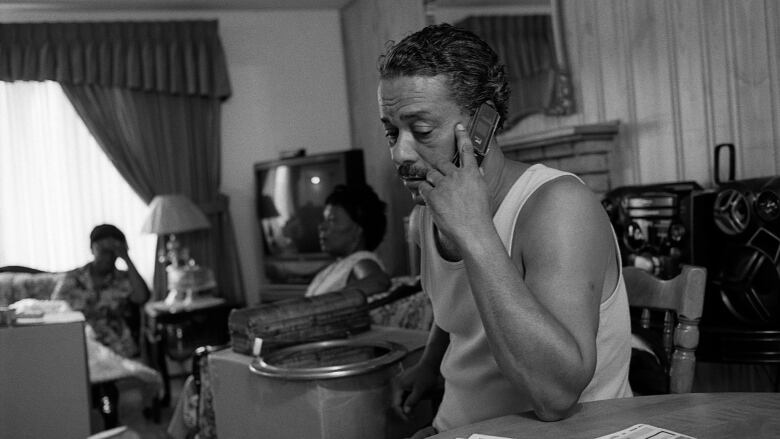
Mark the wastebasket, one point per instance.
(329, 389)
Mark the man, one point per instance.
(520, 261)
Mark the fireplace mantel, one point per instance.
(586, 150)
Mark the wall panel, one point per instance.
(681, 76)
(367, 26)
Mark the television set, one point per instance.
(290, 197)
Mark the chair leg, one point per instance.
(106, 399)
(153, 411)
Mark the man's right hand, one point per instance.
(412, 385)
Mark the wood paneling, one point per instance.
(367, 26)
(682, 76)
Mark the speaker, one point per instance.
(744, 272)
(741, 318)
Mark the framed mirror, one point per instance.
(529, 39)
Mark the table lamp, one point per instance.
(171, 214)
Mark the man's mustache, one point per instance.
(408, 171)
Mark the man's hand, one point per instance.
(457, 196)
(411, 386)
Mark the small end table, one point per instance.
(176, 331)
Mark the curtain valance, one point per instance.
(173, 57)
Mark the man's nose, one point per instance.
(403, 151)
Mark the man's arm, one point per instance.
(540, 308)
(418, 381)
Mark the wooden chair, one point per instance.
(680, 299)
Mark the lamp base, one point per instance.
(177, 298)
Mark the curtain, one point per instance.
(166, 144)
(525, 44)
(150, 93)
(49, 204)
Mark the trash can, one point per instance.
(327, 390)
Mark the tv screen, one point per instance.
(290, 199)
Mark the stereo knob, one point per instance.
(676, 232)
(634, 237)
(731, 211)
(768, 205)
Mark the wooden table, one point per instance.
(701, 415)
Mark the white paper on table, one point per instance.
(644, 431)
(485, 436)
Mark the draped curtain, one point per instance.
(525, 44)
(150, 93)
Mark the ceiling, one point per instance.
(108, 5)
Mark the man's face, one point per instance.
(418, 112)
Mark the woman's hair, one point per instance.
(474, 71)
(106, 231)
(365, 208)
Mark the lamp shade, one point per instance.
(174, 214)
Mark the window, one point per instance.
(56, 184)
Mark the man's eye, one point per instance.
(391, 137)
(422, 132)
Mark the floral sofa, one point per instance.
(15, 286)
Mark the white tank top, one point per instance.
(475, 388)
(335, 276)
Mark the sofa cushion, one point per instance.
(18, 286)
(411, 312)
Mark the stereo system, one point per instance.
(734, 231)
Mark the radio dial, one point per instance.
(768, 205)
(676, 232)
(731, 212)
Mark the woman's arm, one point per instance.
(368, 277)
(140, 293)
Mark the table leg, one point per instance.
(156, 349)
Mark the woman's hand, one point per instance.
(457, 195)
(120, 249)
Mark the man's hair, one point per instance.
(106, 231)
(365, 208)
(474, 72)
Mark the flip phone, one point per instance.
(481, 128)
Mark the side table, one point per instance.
(177, 331)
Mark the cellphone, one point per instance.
(482, 127)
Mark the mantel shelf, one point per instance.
(585, 150)
(568, 134)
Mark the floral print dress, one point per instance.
(105, 307)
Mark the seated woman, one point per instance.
(353, 225)
(104, 294)
(109, 298)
